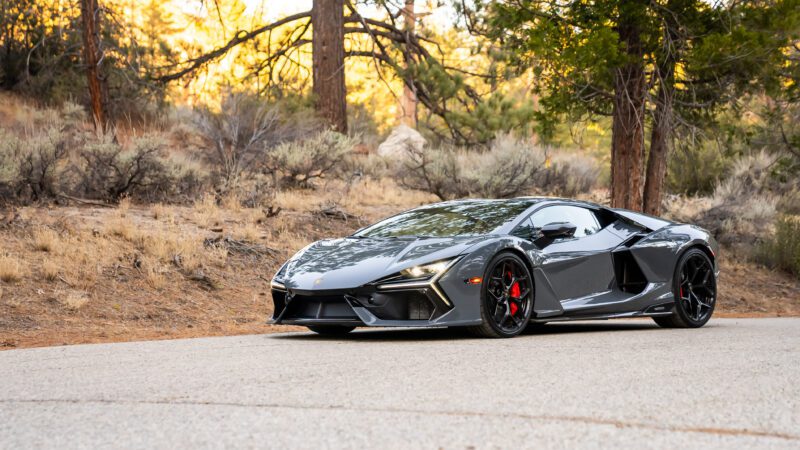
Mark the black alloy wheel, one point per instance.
(506, 297)
(695, 290)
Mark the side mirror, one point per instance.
(557, 230)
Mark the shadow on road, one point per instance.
(428, 334)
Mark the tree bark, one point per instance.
(408, 103)
(662, 117)
(659, 149)
(627, 141)
(92, 56)
(327, 20)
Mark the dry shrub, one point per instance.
(45, 239)
(50, 270)
(570, 174)
(782, 251)
(743, 207)
(31, 166)
(11, 270)
(297, 163)
(110, 170)
(244, 129)
(510, 167)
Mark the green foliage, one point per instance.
(494, 115)
(462, 115)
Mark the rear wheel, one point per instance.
(695, 290)
(506, 298)
(331, 330)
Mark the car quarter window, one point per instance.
(585, 221)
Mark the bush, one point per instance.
(696, 169)
(110, 171)
(246, 128)
(10, 150)
(782, 251)
(743, 206)
(297, 163)
(509, 168)
(30, 165)
(569, 175)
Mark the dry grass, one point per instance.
(368, 194)
(206, 212)
(45, 239)
(120, 226)
(75, 300)
(232, 202)
(163, 212)
(155, 273)
(11, 270)
(50, 270)
(249, 232)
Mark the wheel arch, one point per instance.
(521, 254)
(705, 248)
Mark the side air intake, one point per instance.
(628, 274)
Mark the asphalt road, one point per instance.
(734, 383)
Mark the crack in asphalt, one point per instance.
(542, 417)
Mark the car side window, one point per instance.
(524, 230)
(585, 221)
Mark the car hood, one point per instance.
(352, 262)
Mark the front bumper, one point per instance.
(420, 306)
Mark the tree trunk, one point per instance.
(659, 150)
(92, 56)
(408, 103)
(627, 141)
(662, 118)
(327, 20)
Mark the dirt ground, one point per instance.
(78, 274)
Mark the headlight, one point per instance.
(425, 271)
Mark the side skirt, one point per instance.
(568, 318)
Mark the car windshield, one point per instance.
(442, 220)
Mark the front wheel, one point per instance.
(695, 290)
(331, 330)
(506, 297)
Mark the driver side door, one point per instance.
(580, 265)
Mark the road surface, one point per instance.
(734, 383)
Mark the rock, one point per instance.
(402, 141)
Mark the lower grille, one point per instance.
(319, 307)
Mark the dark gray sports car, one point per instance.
(497, 266)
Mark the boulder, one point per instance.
(403, 141)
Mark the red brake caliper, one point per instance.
(514, 293)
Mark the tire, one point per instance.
(694, 288)
(331, 330)
(497, 296)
